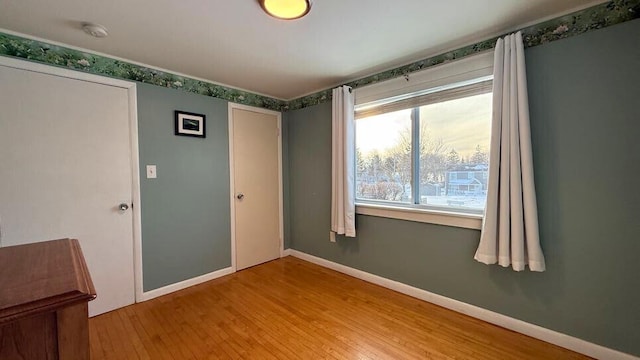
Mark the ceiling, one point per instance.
(234, 43)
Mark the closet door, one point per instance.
(65, 159)
(256, 184)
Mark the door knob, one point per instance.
(123, 207)
(240, 196)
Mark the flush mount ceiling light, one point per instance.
(286, 9)
(95, 30)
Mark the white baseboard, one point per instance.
(185, 284)
(191, 282)
(535, 331)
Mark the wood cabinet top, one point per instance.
(40, 277)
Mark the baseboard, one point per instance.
(535, 331)
(184, 284)
(286, 252)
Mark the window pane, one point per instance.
(454, 146)
(383, 157)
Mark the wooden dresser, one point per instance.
(44, 291)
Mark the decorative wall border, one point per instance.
(580, 22)
(42, 52)
(595, 17)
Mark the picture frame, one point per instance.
(190, 124)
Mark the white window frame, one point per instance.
(460, 71)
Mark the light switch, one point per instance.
(151, 172)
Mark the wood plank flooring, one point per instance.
(292, 309)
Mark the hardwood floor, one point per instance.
(292, 309)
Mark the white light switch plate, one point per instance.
(332, 236)
(151, 172)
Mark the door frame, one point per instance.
(133, 141)
(232, 191)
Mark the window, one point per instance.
(426, 150)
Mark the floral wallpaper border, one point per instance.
(41, 52)
(596, 17)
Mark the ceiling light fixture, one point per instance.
(286, 9)
(95, 30)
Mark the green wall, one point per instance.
(185, 211)
(585, 119)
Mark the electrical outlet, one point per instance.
(332, 236)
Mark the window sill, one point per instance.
(467, 221)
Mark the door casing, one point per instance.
(232, 191)
(130, 87)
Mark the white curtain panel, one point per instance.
(343, 201)
(510, 225)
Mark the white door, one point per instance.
(65, 164)
(256, 184)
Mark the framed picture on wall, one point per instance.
(190, 124)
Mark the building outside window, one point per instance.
(427, 150)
